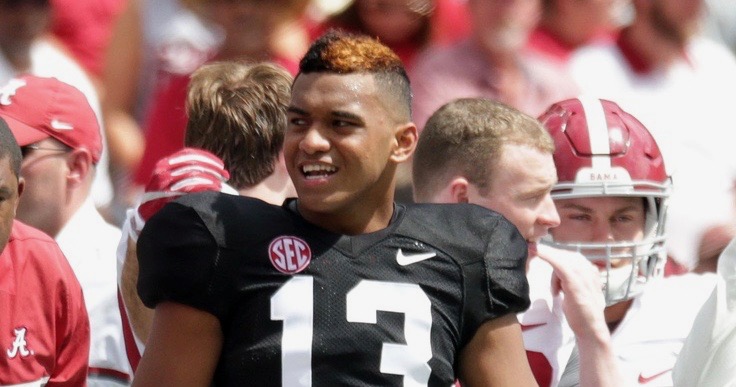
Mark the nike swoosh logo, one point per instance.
(531, 326)
(646, 379)
(59, 125)
(404, 260)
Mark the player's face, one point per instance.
(520, 191)
(339, 145)
(10, 188)
(503, 26)
(45, 171)
(600, 220)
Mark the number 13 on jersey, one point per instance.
(293, 304)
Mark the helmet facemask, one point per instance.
(626, 266)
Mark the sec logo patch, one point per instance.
(289, 254)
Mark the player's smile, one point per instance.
(314, 171)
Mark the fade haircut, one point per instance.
(465, 137)
(9, 148)
(237, 111)
(341, 52)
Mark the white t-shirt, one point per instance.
(89, 243)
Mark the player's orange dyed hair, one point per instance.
(345, 53)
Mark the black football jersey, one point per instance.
(300, 305)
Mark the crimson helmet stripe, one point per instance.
(595, 117)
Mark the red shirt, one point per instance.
(44, 329)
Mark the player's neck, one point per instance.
(352, 220)
(615, 313)
(269, 193)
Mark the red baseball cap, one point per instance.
(36, 108)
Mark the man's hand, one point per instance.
(580, 282)
(584, 304)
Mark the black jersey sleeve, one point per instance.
(501, 276)
(178, 261)
(488, 249)
(505, 265)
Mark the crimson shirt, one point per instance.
(44, 329)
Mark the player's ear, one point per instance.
(405, 141)
(458, 190)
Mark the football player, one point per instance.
(611, 195)
(478, 151)
(342, 286)
(235, 134)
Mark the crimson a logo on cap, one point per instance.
(289, 254)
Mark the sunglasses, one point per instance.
(27, 149)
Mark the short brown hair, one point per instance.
(238, 112)
(465, 137)
(341, 52)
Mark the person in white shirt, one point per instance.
(664, 72)
(24, 49)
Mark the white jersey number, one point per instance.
(294, 305)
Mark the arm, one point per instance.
(182, 350)
(583, 305)
(121, 77)
(495, 356)
(139, 316)
(188, 170)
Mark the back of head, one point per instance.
(339, 52)
(238, 112)
(603, 151)
(465, 137)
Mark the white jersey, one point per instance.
(709, 355)
(548, 339)
(692, 124)
(649, 338)
(89, 244)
